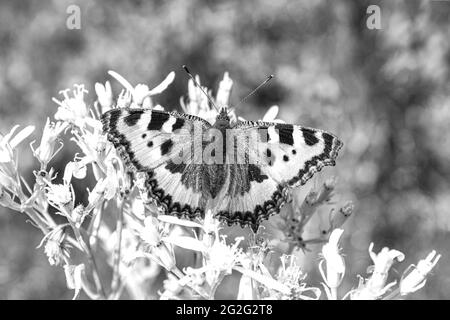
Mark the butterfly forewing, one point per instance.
(150, 141)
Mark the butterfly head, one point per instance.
(223, 115)
(222, 119)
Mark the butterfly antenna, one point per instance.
(210, 99)
(254, 90)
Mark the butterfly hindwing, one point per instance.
(149, 141)
(251, 199)
(285, 156)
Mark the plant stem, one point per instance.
(37, 220)
(86, 248)
(116, 266)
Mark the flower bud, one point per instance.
(416, 279)
(56, 248)
(334, 263)
(104, 95)
(339, 217)
(46, 150)
(141, 91)
(61, 196)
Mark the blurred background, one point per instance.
(385, 92)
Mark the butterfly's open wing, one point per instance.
(152, 142)
(284, 156)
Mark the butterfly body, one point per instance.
(241, 171)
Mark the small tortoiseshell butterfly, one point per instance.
(243, 192)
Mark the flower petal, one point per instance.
(124, 82)
(22, 135)
(271, 114)
(181, 222)
(185, 242)
(267, 281)
(163, 85)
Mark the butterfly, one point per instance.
(284, 156)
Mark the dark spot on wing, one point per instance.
(175, 168)
(328, 138)
(150, 144)
(285, 158)
(285, 132)
(178, 124)
(144, 135)
(255, 174)
(309, 137)
(157, 121)
(270, 157)
(166, 146)
(294, 151)
(133, 117)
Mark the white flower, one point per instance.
(173, 290)
(376, 285)
(291, 275)
(78, 215)
(247, 287)
(104, 95)
(416, 278)
(211, 224)
(271, 115)
(76, 169)
(382, 263)
(56, 248)
(289, 271)
(92, 143)
(105, 189)
(75, 275)
(8, 144)
(124, 99)
(61, 196)
(334, 263)
(138, 208)
(195, 278)
(223, 93)
(141, 93)
(222, 257)
(198, 103)
(46, 150)
(73, 109)
(152, 234)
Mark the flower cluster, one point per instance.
(140, 242)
